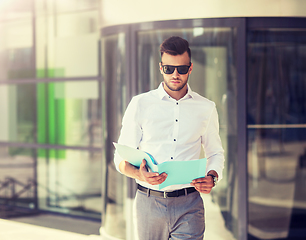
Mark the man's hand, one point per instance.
(153, 178)
(141, 173)
(203, 185)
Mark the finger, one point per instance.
(147, 174)
(200, 180)
(161, 178)
(204, 185)
(157, 179)
(203, 188)
(143, 163)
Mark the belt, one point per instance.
(176, 193)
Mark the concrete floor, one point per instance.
(13, 230)
(64, 223)
(49, 226)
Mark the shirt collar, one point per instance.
(162, 93)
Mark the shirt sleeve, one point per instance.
(212, 145)
(131, 132)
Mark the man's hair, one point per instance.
(175, 46)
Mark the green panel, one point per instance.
(51, 119)
(54, 73)
(61, 130)
(41, 117)
(41, 73)
(50, 115)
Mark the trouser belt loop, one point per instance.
(186, 193)
(148, 192)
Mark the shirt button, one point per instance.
(176, 120)
(174, 140)
(177, 103)
(171, 157)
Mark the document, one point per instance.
(179, 172)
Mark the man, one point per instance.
(171, 123)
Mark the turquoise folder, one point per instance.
(179, 172)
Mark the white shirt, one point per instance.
(172, 130)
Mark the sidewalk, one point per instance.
(12, 230)
(24, 228)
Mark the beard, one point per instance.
(177, 88)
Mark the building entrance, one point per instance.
(276, 133)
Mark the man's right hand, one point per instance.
(153, 178)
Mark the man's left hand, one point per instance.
(203, 185)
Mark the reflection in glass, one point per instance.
(213, 76)
(16, 49)
(17, 181)
(277, 191)
(70, 184)
(17, 110)
(114, 98)
(67, 44)
(68, 113)
(277, 134)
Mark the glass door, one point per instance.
(214, 76)
(130, 66)
(114, 92)
(277, 133)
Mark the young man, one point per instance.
(172, 123)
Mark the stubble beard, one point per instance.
(178, 88)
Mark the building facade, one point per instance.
(50, 90)
(70, 68)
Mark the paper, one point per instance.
(179, 172)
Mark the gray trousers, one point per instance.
(157, 218)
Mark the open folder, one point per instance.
(179, 172)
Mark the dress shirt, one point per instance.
(173, 130)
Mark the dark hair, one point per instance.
(175, 46)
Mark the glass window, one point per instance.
(68, 113)
(276, 133)
(114, 104)
(69, 181)
(17, 110)
(67, 44)
(62, 113)
(35, 113)
(16, 49)
(17, 180)
(214, 76)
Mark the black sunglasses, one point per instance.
(169, 69)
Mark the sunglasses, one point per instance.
(169, 69)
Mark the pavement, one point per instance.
(49, 227)
(13, 230)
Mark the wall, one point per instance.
(115, 12)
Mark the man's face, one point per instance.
(175, 82)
